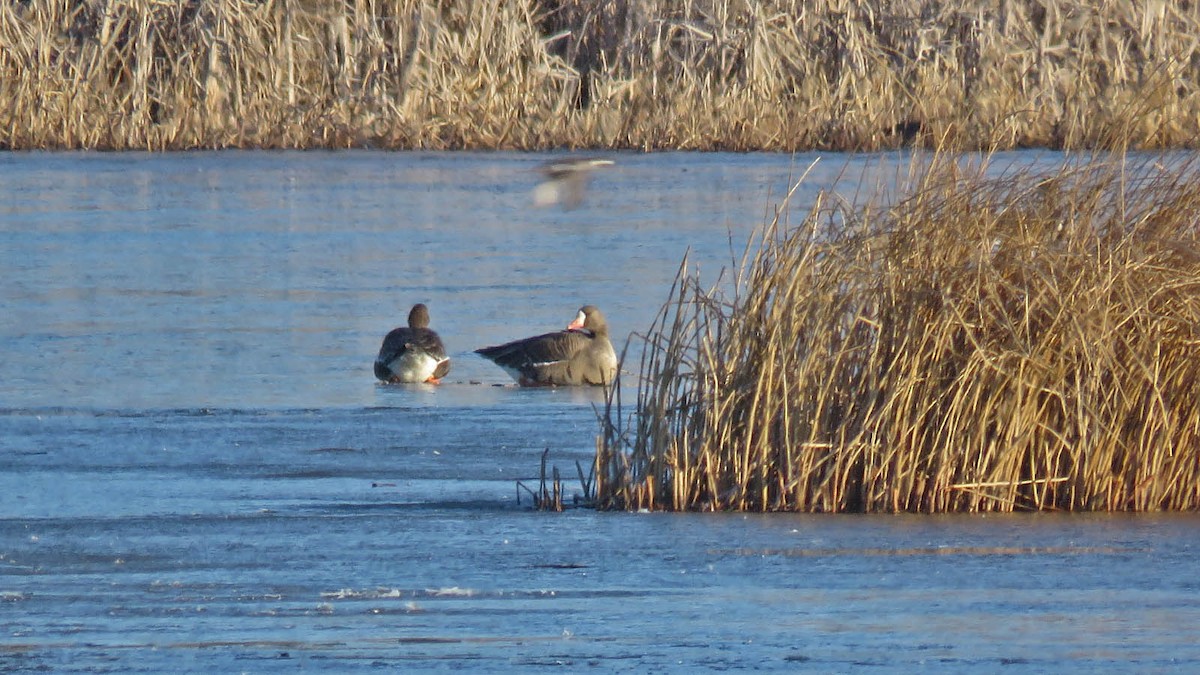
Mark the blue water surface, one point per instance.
(199, 473)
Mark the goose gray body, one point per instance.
(580, 355)
(412, 353)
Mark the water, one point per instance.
(198, 472)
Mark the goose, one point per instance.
(565, 181)
(413, 353)
(579, 355)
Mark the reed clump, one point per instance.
(125, 74)
(703, 74)
(982, 344)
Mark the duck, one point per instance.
(413, 353)
(566, 181)
(579, 355)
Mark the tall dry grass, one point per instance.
(121, 74)
(1024, 342)
(695, 74)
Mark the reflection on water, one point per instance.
(198, 471)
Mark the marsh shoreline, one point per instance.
(648, 75)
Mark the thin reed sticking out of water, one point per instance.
(1024, 342)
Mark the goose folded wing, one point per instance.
(538, 351)
(394, 345)
(426, 341)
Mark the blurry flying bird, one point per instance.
(565, 181)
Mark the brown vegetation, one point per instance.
(712, 74)
(1025, 342)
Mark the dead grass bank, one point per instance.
(716, 74)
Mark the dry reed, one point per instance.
(710, 74)
(983, 344)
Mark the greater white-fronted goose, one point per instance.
(566, 181)
(412, 354)
(581, 354)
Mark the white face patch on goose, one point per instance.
(577, 324)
